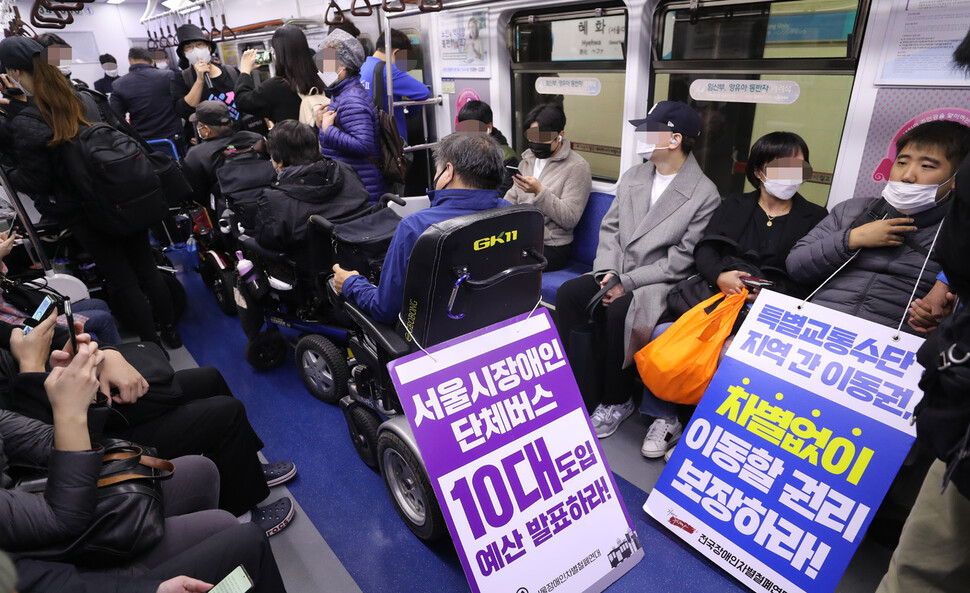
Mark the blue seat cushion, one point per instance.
(586, 235)
(551, 281)
(585, 241)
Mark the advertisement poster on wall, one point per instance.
(895, 112)
(463, 40)
(528, 496)
(920, 42)
(793, 446)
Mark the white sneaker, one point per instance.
(606, 419)
(662, 435)
(669, 453)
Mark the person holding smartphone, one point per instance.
(199, 540)
(278, 98)
(748, 239)
(554, 179)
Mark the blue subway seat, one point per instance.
(585, 239)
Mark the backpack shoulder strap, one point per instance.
(94, 111)
(875, 210)
(377, 86)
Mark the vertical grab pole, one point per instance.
(388, 64)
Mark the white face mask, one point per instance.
(783, 189)
(198, 54)
(646, 150)
(112, 73)
(329, 78)
(911, 198)
(162, 64)
(65, 69)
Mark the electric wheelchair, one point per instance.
(290, 292)
(463, 274)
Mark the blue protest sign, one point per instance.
(793, 446)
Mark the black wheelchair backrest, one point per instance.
(472, 271)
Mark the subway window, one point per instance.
(750, 68)
(576, 58)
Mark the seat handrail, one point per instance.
(417, 147)
(436, 100)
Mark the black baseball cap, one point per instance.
(211, 113)
(675, 116)
(18, 53)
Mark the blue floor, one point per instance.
(347, 501)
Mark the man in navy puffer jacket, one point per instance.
(469, 169)
(349, 130)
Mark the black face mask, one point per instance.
(541, 149)
(434, 184)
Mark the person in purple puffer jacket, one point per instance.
(348, 127)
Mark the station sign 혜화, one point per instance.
(529, 499)
(793, 446)
(777, 92)
(599, 38)
(554, 85)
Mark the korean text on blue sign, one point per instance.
(519, 475)
(793, 446)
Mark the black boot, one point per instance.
(170, 336)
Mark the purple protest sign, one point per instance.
(524, 487)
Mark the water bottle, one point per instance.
(183, 226)
(250, 277)
(191, 246)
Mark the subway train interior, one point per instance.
(849, 77)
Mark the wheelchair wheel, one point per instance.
(220, 283)
(410, 489)
(362, 422)
(267, 350)
(323, 368)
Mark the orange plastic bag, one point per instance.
(678, 365)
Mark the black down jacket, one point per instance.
(327, 187)
(31, 522)
(878, 283)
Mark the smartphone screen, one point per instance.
(70, 324)
(263, 57)
(758, 282)
(237, 581)
(40, 313)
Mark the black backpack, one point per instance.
(362, 244)
(243, 173)
(943, 415)
(393, 166)
(115, 180)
